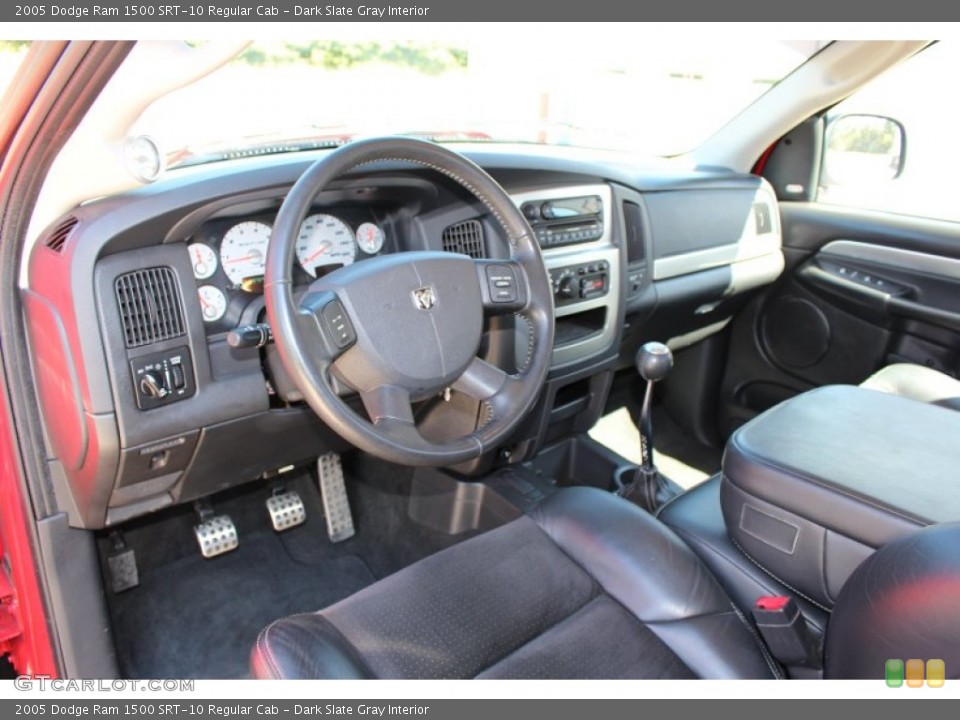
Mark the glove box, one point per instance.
(814, 485)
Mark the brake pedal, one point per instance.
(216, 534)
(286, 510)
(336, 505)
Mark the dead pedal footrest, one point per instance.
(286, 510)
(216, 535)
(336, 505)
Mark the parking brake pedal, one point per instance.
(286, 509)
(122, 564)
(216, 534)
(336, 506)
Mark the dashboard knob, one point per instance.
(152, 385)
(566, 285)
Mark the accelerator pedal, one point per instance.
(286, 509)
(216, 534)
(336, 505)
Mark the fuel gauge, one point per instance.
(370, 238)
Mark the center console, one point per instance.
(574, 227)
(813, 486)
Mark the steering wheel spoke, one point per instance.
(330, 321)
(503, 285)
(388, 403)
(491, 385)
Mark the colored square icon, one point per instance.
(893, 671)
(936, 672)
(914, 673)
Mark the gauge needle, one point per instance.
(204, 302)
(324, 246)
(241, 259)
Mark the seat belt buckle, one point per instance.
(780, 622)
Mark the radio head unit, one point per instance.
(565, 221)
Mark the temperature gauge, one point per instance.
(203, 259)
(370, 238)
(213, 303)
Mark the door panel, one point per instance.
(861, 290)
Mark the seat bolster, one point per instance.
(645, 567)
(917, 383)
(305, 646)
(637, 559)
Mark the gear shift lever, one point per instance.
(654, 362)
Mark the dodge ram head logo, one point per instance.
(424, 298)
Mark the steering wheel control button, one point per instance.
(162, 378)
(502, 284)
(338, 325)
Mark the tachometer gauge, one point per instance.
(370, 238)
(203, 259)
(325, 244)
(243, 251)
(213, 303)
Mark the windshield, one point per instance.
(598, 86)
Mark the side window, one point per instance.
(862, 155)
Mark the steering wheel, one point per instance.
(404, 327)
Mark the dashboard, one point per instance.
(133, 303)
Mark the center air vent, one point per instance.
(149, 306)
(59, 236)
(465, 238)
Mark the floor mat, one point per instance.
(199, 618)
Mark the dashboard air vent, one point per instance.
(149, 305)
(633, 230)
(58, 237)
(465, 238)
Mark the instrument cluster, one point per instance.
(228, 257)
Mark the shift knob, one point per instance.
(654, 361)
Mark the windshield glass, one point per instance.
(598, 86)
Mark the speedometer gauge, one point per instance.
(370, 238)
(325, 243)
(244, 251)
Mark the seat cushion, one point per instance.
(917, 383)
(586, 586)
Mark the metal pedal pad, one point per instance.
(286, 510)
(216, 535)
(336, 506)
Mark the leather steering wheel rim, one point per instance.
(303, 339)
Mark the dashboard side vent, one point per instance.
(763, 222)
(150, 308)
(633, 230)
(465, 238)
(58, 238)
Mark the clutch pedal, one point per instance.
(286, 510)
(336, 505)
(216, 534)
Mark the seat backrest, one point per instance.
(902, 603)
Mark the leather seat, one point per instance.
(585, 586)
(917, 383)
(696, 516)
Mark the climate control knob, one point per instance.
(565, 285)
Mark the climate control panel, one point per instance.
(583, 281)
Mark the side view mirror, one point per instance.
(862, 149)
